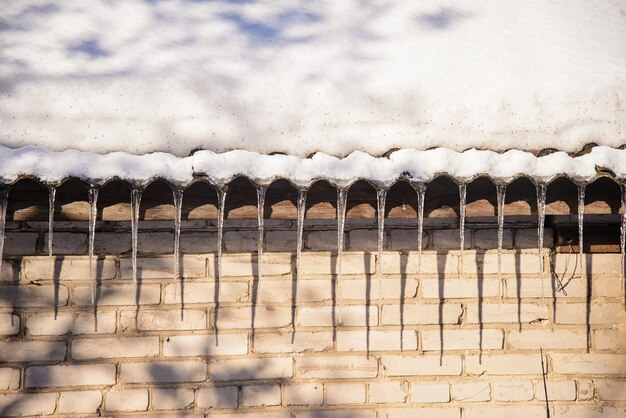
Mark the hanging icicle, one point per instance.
(4, 199)
(178, 207)
(51, 199)
(301, 210)
(623, 237)
(342, 197)
(260, 194)
(93, 213)
(462, 196)
(421, 192)
(221, 195)
(135, 203)
(581, 214)
(501, 194)
(381, 197)
(541, 218)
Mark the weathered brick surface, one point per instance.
(162, 319)
(175, 399)
(217, 397)
(27, 296)
(388, 392)
(75, 323)
(80, 402)
(127, 400)
(9, 324)
(67, 268)
(93, 348)
(205, 345)
(335, 367)
(245, 369)
(163, 371)
(27, 404)
(304, 394)
(14, 351)
(9, 378)
(430, 392)
(470, 392)
(345, 393)
(70, 375)
(260, 395)
(509, 391)
(421, 365)
(462, 339)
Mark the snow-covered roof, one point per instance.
(299, 76)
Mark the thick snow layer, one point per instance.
(419, 166)
(300, 76)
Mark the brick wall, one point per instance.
(433, 345)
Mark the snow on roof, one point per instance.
(299, 76)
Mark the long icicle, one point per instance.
(342, 196)
(51, 199)
(300, 231)
(93, 213)
(421, 192)
(463, 197)
(221, 197)
(135, 203)
(541, 219)
(4, 199)
(178, 207)
(381, 196)
(260, 194)
(581, 214)
(501, 194)
(623, 237)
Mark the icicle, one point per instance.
(541, 218)
(260, 194)
(4, 199)
(462, 195)
(178, 207)
(93, 213)
(301, 209)
(420, 227)
(221, 195)
(342, 196)
(581, 213)
(381, 196)
(135, 203)
(51, 198)
(501, 194)
(623, 237)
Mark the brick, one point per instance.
(558, 390)
(345, 393)
(487, 239)
(198, 242)
(9, 378)
(320, 316)
(409, 263)
(110, 243)
(363, 239)
(150, 242)
(206, 345)
(163, 371)
(585, 363)
(512, 263)
(608, 286)
(149, 294)
(251, 369)
(332, 413)
(422, 365)
(613, 339)
(324, 263)
(455, 288)
(512, 411)
(80, 402)
(70, 375)
(585, 390)
(406, 239)
(260, 395)
(503, 364)
(9, 324)
(16, 351)
(245, 265)
(470, 392)
(75, 323)
(531, 288)
(351, 289)
(528, 238)
(20, 243)
(322, 240)
(67, 268)
(27, 296)
(217, 397)
(508, 391)
(388, 392)
(599, 313)
(265, 317)
(280, 342)
(281, 240)
(127, 400)
(611, 390)
(597, 264)
(307, 290)
(430, 392)
(163, 267)
(10, 271)
(178, 398)
(205, 292)
(304, 394)
(335, 367)
(378, 340)
(506, 313)
(418, 412)
(93, 348)
(448, 239)
(417, 314)
(163, 319)
(240, 241)
(596, 411)
(462, 339)
(547, 338)
(68, 243)
(28, 404)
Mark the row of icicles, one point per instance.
(342, 194)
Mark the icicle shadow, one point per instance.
(589, 269)
(301, 208)
(441, 268)
(480, 281)
(404, 258)
(221, 201)
(367, 259)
